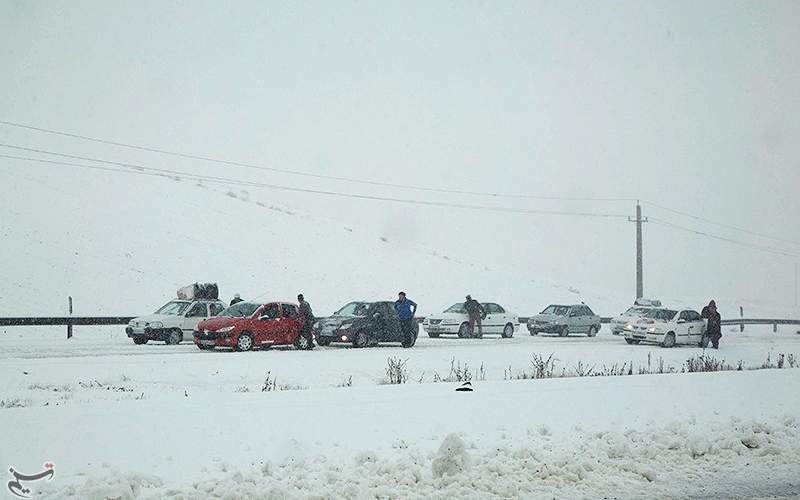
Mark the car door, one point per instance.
(290, 323)
(389, 324)
(195, 313)
(267, 327)
(696, 327)
(576, 320)
(682, 328)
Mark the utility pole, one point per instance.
(639, 220)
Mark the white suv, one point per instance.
(174, 322)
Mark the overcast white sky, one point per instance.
(692, 105)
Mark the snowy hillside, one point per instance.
(146, 236)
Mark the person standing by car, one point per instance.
(476, 313)
(713, 324)
(406, 309)
(236, 299)
(308, 320)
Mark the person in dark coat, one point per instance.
(476, 313)
(236, 299)
(406, 309)
(713, 323)
(308, 320)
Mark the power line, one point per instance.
(723, 238)
(378, 183)
(305, 174)
(720, 224)
(142, 170)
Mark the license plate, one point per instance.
(207, 342)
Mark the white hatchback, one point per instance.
(668, 328)
(454, 320)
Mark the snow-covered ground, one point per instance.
(156, 421)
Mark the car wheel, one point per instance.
(534, 332)
(409, 341)
(433, 335)
(632, 341)
(139, 340)
(564, 331)
(463, 331)
(592, 331)
(669, 340)
(323, 341)
(360, 339)
(244, 343)
(175, 337)
(704, 341)
(301, 343)
(508, 331)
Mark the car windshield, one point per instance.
(456, 308)
(240, 310)
(636, 311)
(662, 314)
(557, 310)
(173, 308)
(353, 309)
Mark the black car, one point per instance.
(364, 324)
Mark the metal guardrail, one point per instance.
(66, 320)
(123, 320)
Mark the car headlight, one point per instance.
(226, 329)
(345, 326)
(629, 327)
(652, 329)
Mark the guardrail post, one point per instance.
(741, 315)
(69, 324)
(774, 327)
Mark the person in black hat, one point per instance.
(713, 323)
(476, 313)
(308, 320)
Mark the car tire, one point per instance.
(323, 341)
(508, 331)
(463, 331)
(592, 331)
(360, 339)
(564, 332)
(433, 335)
(669, 340)
(174, 337)
(704, 341)
(533, 332)
(632, 341)
(301, 343)
(140, 340)
(244, 342)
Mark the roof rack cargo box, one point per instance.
(647, 302)
(200, 291)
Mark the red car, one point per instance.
(248, 325)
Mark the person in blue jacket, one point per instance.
(406, 308)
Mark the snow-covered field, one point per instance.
(156, 421)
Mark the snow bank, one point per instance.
(670, 461)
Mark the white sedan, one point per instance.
(668, 328)
(454, 320)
